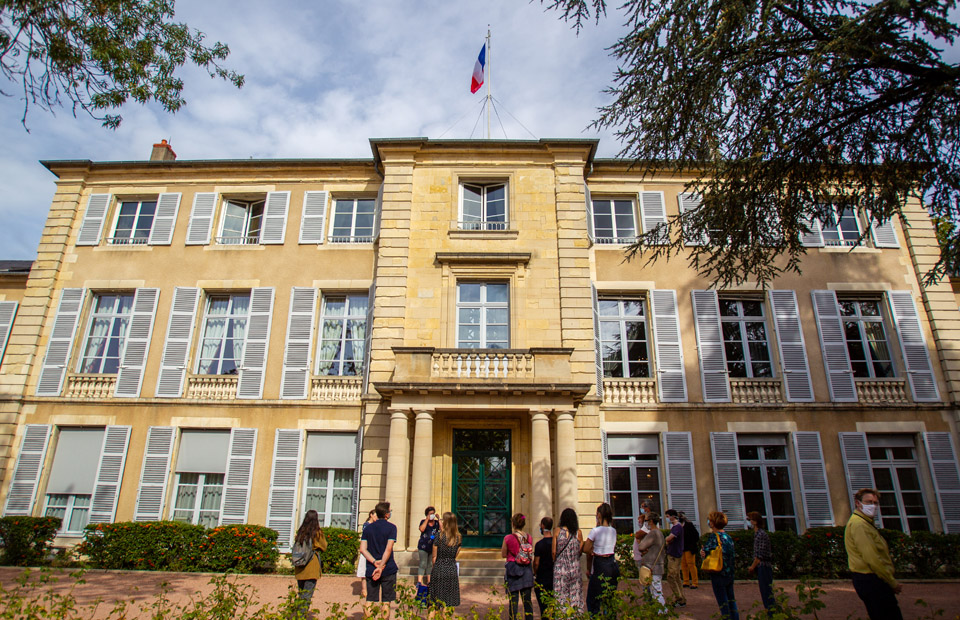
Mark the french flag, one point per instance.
(477, 80)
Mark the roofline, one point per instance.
(420, 142)
(56, 165)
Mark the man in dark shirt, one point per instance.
(376, 545)
(762, 560)
(543, 563)
(674, 542)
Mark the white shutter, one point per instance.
(793, 348)
(726, 474)
(106, 490)
(713, 363)
(176, 348)
(817, 507)
(358, 463)
(691, 202)
(681, 473)
(137, 346)
(606, 466)
(377, 209)
(814, 238)
(92, 226)
(254, 365)
(653, 212)
(598, 353)
(856, 463)
(946, 478)
(168, 205)
(154, 475)
(833, 345)
(885, 235)
(671, 381)
(368, 336)
(237, 481)
(275, 218)
(296, 356)
(590, 233)
(913, 345)
(314, 217)
(26, 471)
(201, 218)
(61, 342)
(8, 310)
(284, 478)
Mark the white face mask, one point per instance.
(869, 509)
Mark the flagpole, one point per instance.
(487, 80)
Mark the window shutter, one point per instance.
(713, 363)
(254, 365)
(154, 475)
(26, 472)
(814, 238)
(913, 344)
(691, 202)
(275, 218)
(284, 477)
(856, 463)
(92, 226)
(817, 507)
(106, 491)
(201, 218)
(606, 466)
(653, 212)
(586, 193)
(355, 500)
(236, 484)
(139, 334)
(176, 348)
(884, 235)
(681, 473)
(296, 357)
(314, 217)
(671, 382)
(836, 360)
(61, 342)
(946, 478)
(376, 213)
(168, 205)
(368, 336)
(793, 349)
(598, 356)
(726, 473)
(8, 310)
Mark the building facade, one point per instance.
(453, 323)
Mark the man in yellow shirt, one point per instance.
(868, 558)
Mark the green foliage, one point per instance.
(241, 548)
(340, 558)
(26, 540)
(624, 554)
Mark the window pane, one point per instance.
(79, 517)
(748, 453)
(778, 478)
(752, 307)
(751, 478)
(469, 292)
(621, 503)
(908, 479)
(619, 478)
(883, 479)
(754, 502)
(648, 479)
(496, 293)
(781, 503)
(609, 307)
(775, 453)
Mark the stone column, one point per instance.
(422, 471)
(540, 470)
(398, 460)
(566, 462)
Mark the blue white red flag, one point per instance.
(477, 80)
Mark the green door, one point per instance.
(481, 485)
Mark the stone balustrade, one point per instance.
(336, 389)
(488, 364)
(90, 386)
(882, 391)
(629, 391)
(752, 391)
(212, 387)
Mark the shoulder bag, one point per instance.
(713, 563)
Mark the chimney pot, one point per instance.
(162, 152)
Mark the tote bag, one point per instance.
(713, 563)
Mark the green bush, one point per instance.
(340, 558)
(26, 540)
(154, 545)
(624, 554)
(243, 548)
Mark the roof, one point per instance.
(15, 267)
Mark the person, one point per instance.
(567, 544)
(445, 580)
(519, 577)
(601, 565)
(762, 560)
(307, 575)
(674, 554)
(722, 581)
(868, 559)
(652, 551)
(376, 544)
(429, 526)
(362, 561)
(642, 528)
(543, 564)
(691, 543)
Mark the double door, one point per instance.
(481, 485)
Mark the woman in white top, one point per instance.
(601, 563)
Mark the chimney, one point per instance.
(162, 152)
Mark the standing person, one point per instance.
(429, 526)
(642, 528)
(722, 581)
(543, 564)
(674, 555)
(652, 547)
(868, 558)
(309, 533)
(376, 544)
(362, 561)
(762, 560)
(601, 565)
(518, 575)
(567, 544)
(691, 544)
(445, 581)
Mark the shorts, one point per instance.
(383, 590)
(362, 566)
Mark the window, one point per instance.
(353, 220)
(72, 510)
(633, 471)
(72, 477)
(623, 338)
(342, 335)
(242, 222)
(842, 228)
(483, 315)
(134, 222)
(483, 207)
(896, 472)
(330, 493)
(224, 332)
(614, 221)
(107, 333)
(745, 342)
(765, 476)
(201, 468)
(866, 338)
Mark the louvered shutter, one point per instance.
(590, 233)
(355, 500)
(856, 463)
(201, 218)
(92, 226)
(653, 212)
(8, 310)
(296, 356)
(884, 235)
(833, 345)
(250, 383)
(606, 466)
(368, 336)
(165, 219)
(106, 490)
(913, 345)
(726, 474)
(814, 238)
(314, 217)
(61, 340)
(946, 478)
(237, 481)
(671, 382)
(284, 478)
(176, 348)
(817, 507)
(137, 346)
(691, 202)
(681, 473)
(598, 353)
(793, 348)
(275, 218)
(154, 474)
(713, 363)
(26, 471)
(377, 209)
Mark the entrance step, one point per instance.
(476, 565)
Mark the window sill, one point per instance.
(458, 233)
(848, 249)
(119, 247)
(229, 248)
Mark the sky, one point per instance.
(322, 78)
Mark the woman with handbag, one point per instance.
(717, 554)
(518, 570)
(652, 547)
(601, 565)
(567, 543)
(309, 533)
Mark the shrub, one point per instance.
(341, 555)
(158, 545)
(26, 540)
(243, 548)
(824, 552)
(624, 554)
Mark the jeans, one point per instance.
(765, 579)
(674, 580)
(305, 589)
(877, 596)
(688, 567)
(723, 591)
(515, 598)
(604, 576)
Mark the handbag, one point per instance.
(713, 562)
(646, 573)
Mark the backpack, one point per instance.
(302, 553)
(525, 554)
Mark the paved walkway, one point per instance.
(138, 590)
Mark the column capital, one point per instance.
(565, 414)
(425, 414)
(540, 415)
(396, 414)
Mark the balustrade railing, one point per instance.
(462, 364)
(337, 389)
(90, 386)
(751, 391)
(629, 391)
(882, 391)
(212, 387)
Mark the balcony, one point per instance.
(212, 387)
(629, 391)
(487, 364)
(479, 366)
(753, 391)
(882, 391)
(90, 386)
(336, 389)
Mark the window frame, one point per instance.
(132, 239)
(484, 306)
(622, 319)
(201, 486)
(763, 463)
(88, 333)
(69, 508)
(859, 318)
(326, 515)
(209, 298)
(616, 238)
(633, 464)
(246, 238)
(353, 237)
(893, 465)
(484, 223)
(343, 319)
(742, 319)
(835, 228)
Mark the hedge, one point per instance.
(341, 555)
(26, 540)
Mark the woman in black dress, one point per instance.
(445, 581)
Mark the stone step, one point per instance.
(476, 565)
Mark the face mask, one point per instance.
(869, 509)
